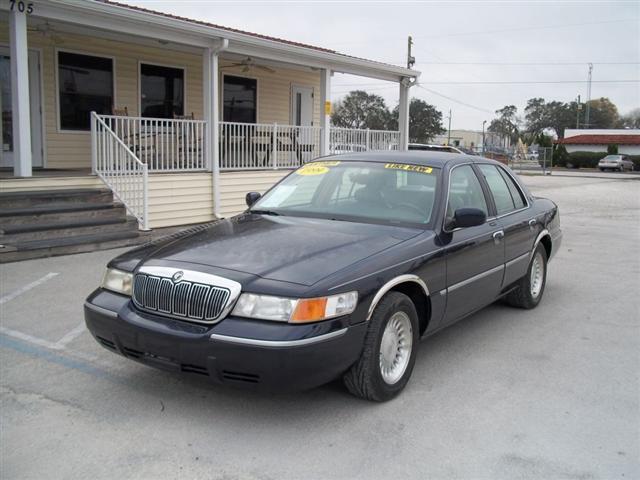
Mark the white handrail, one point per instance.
(261, 146)
(120, 169)
(344, 140)
(163, 144)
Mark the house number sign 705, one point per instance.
(21, 6)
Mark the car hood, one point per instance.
(289, 249)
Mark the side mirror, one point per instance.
(251, 198)
(468, 217)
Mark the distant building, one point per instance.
(581, 140)
(471, 139)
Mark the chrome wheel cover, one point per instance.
(395, 347)
(537, 275)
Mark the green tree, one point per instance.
(556, 116)
(425, 121)
(360, 109)
(603, 114)
(506, 125)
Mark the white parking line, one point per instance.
(49, 345)
(10, 296)
(69, 337)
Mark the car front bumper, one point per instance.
(237, 351)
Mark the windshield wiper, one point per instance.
(265, 212)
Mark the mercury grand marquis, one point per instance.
(337, 271)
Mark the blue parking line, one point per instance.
(46, 355)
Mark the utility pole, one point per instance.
(588, 111)
(410, 59)
(578, 113)
(449, 134)
(483, 122)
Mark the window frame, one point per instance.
(488, 191)
(155, 64)
(491, 209)
(249, 77)
(56, 62)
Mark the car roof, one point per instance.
(415, 157)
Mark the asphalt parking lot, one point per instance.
(548, 393)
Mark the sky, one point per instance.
(475, 56)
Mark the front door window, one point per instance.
(161, 91)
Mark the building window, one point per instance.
(161, 91)
(240, 99)
(85, 85)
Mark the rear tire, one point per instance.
(530, 288)
(389, 351)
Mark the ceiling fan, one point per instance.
(247, 64)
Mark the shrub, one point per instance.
(585, 159)
(560, 156)
(612, 149)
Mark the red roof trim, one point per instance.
(601, 140)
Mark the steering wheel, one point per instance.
(411, 206)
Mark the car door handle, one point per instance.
(498, 236)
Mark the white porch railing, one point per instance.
(120, 169)
(257, 146)
(344, 140)
(163, 144)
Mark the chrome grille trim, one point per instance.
(197, 296)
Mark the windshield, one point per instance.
(360, 191)
(612, 157)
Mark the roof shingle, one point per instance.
(601, 140)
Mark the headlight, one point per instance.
(295, 310)
(117, 281)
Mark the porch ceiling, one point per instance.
(118, 19)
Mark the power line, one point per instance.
(504, 30)
(527, 63)
(528, 82)
(460, 102)
(521, 29)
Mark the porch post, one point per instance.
(22, 161)
(403, 114)
(207, 88)
(215, 132)
(325, 111)
(212, 109)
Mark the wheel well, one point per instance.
(419, 299)
(546, 242)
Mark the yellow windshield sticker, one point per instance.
(316, 168)
(409, 168)
(325, 164)
(312, 170)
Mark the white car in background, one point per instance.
(341, 148)
(434, 148)
(615, 162)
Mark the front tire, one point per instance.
(530, 288)
(389, 351)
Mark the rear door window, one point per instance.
(516, 193)
(499, 189)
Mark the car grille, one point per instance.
(186, 300)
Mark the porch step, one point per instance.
(10, 234)
(35, 224)
(58, 197)
(68, 245)
(60, 212)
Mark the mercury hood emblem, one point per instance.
(177, 276)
